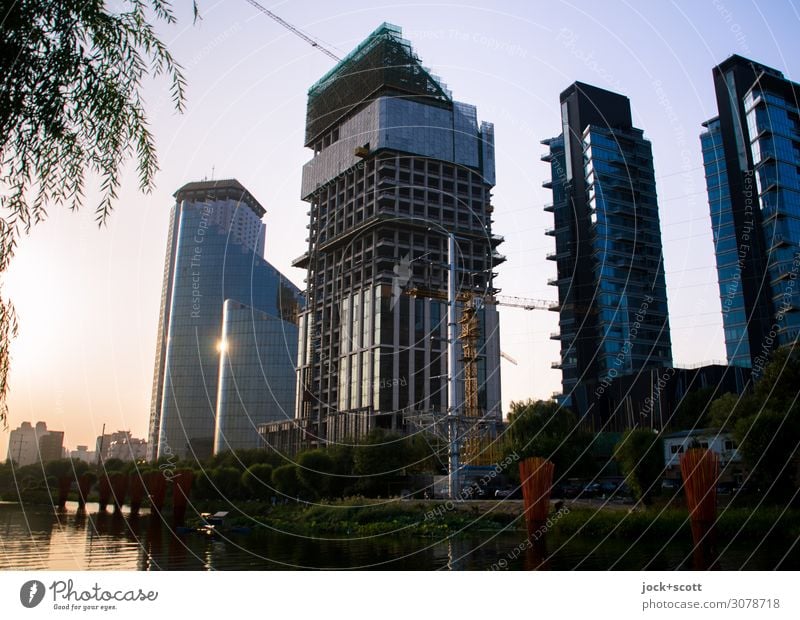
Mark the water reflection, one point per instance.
(38, 538)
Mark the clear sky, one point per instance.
(88, 299)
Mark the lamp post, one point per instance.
(453, 456)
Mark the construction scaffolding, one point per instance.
(383, 62)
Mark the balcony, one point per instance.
(550, 232)
(547, 184)
(555, 336)
(549, 207)
(778, 240)
(555, 365)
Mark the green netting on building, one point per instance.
(383, 63)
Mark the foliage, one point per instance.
(544, 428)
(257, 481)
(378, 461)
(286, 482)
(65, 467)
(71, 104)
(314, 469)
(113, 465)
(766, 425)
(219, 483)
(694, 409)
(640, 455)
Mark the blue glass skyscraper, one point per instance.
(751, 153)
(214, 253)
(611, 287)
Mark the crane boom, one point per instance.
(296, 31)
(524, 302)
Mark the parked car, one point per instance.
(593, 489)
(509, 493)
(608, 488)
(670, 484)
(725, 488)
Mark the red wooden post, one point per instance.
(700, 471)
(181, 489)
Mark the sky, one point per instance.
(88, 297)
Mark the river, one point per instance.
(37, 538)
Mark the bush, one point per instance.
(314, 469)
(257, 482)
(286, 482)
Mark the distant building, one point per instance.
(28, 444)
(82, 453)
(723, 444)
(128, 449)
(751, 155)
(121, 445)
(612, 298)
(650, 397)
(215, 252)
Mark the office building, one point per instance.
(397, 165)
(215, 252)
(82, 453)
(257, 375)
(751, 154)
(650, 397)
(28, 444)
(612, 299)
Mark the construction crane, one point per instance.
(525, 303)
(505, 355)
(310, 40)
(478, 436)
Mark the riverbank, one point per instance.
(365, 517)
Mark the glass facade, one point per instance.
(612, 299)
(256, 375)
(751, 154)
(631, 299)
(213, 255)
(773, 123)
(726, 247)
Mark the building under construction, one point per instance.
(397, 166)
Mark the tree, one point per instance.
(766, 424)
(379, 460)
(285, 481)
(314, 469)
(640, 455)
(71, 103)
(693, 411)
(544, 428)
(257, 481)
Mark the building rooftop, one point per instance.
(384, 63)
(220, 190)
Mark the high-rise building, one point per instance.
(214, 253)
(397, 166)
(751, 154)
(612, 298)
(28, 444)
(82, 453)
(257, 375)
